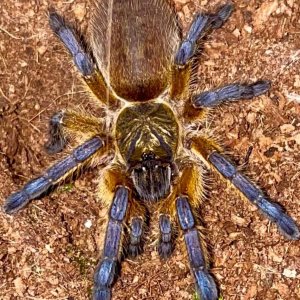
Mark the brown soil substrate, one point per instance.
(47, 252)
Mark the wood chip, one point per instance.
(287, 128)
(20, 286)
(289, 273)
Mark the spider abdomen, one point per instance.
(133, 43)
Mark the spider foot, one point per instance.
(31, 190)
(136, 231)
(165, 250)
(286, 225)
(165, 247)
(222, 15)
(205, 285)
(15, 202)
(103, 279)
(102, 294)
(134, 250)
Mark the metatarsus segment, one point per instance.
(230, 92)
(136, 231)
(106, 270)
(200, 25)
(40, 185)
(272, 210)
(205, 284)
(165, 246)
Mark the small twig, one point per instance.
(37, 207)
(38, 298)
(10, 34)
(5, 66)
(4, 96)
(27, 89)
(34, 127)
(39, 113)
(69, 94)
(293, 59)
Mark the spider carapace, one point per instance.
(147, 136)
(142, 69)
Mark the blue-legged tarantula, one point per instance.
(141, 69)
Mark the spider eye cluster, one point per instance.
(148, 156)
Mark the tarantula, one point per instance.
(139, 64)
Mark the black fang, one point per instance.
(152, 180)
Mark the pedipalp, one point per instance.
(68, 124)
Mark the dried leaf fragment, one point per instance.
(263, 13)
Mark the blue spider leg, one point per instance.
(106, 270)
(83, 59)
(205, 284)
(136, 232)
(230, 92)
(272, 210)
(165, 246)
(136, 223)
(73, 43)
(200, 25)
(52, 176)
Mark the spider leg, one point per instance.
(211, 154)
(229, 93)
(205, 284)
(177, 209)
(200, 25)
(113, 176)
(136, 222)
(38, 186)
(181, 71)
(65, 124)
(189, 183)
(83, 60)
(106, 270)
